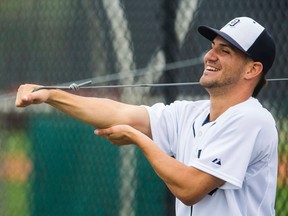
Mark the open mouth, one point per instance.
(212, 69)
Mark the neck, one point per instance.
(221, 102)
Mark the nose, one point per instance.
(210, 55)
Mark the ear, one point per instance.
(254, 70)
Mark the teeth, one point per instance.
(211, 68)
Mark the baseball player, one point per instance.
(217, 156)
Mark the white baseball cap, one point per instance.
(248, 36)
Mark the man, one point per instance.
(224, 149)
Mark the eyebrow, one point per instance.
(224, 45)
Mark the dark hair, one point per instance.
(261, 83)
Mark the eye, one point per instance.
(226, 51)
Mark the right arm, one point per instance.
(187, 183)
(98, 112)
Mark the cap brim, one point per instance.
(211, 33)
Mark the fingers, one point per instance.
(113, 130)
(103, 132)
(25, 97)
(21, 97)
(106, 133)
(118, 135)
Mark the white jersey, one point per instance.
(240, 147)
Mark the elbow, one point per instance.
(189, 198)
(188, 195)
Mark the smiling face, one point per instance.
(224, 66)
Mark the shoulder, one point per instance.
(245, 119)
(179, 108)
(183, 105)
(253, 112)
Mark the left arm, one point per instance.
(187, 183)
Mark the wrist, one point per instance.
(52, 96)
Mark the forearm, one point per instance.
(99, 112)
(171, 171)
(181, 179)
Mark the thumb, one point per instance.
(31, 98)
(23, 101)
(102, 132)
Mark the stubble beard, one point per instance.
(218, 86)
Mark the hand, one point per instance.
(119, 134)
(26, 97)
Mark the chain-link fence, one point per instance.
(53, 165)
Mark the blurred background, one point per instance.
(53, 165)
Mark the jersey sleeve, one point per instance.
(163, 126)
(166, 122)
